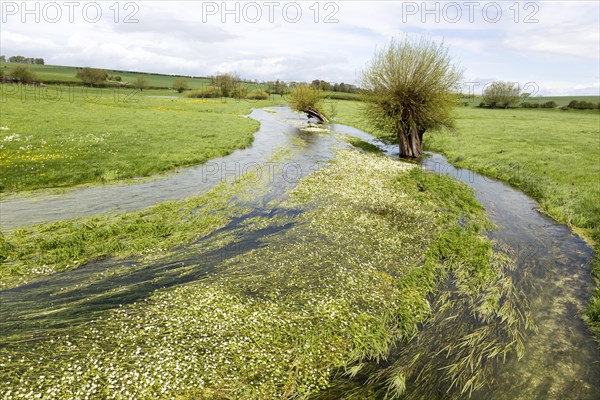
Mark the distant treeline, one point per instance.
(22, 60)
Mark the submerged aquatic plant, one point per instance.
(339, 296)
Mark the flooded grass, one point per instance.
(60, 246)
(373, 251)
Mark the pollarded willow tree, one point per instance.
(411, 88)
(307, 99)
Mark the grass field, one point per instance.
(552, 155)
(58, 73)
(560, 101)
(61, 136)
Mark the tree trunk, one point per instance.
(411, 143)
(314, 113)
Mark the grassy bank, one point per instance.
(61, 136)
(552, 155)
(351, 276)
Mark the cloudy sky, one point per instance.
(551, 46)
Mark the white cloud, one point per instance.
(171, 37)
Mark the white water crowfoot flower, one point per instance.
(345, 283)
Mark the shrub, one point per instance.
(303, 97)
(549, 104)
(529, 104)
(208, 92)
(342, 96)
(226, 82)
(501, 94)
(239, 91)
(22, 74)
(180, 84)
(586, 105)
(257, 94)
(582, 105)
(92, 76)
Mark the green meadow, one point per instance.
(65, 136)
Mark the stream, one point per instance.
(561, 360)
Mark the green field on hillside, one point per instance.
(56, 73)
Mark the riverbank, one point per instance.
(368, 278)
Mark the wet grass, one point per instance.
(60, 246)
(551, 155)
(64, 136)
(335, 294)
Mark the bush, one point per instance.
(92, 76)
(257, 94)
(208, 92)
(549, 104)
(22, 74)
(239, 91)
(342, 96)
(227, 83)
(582, 105)
(586, 105)
(303, 97)
(180, 84)
(529, 104)
(501, 94)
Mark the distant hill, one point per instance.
(61, 74)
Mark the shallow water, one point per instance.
(80, 295)
(278, 130)
(561, 360)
